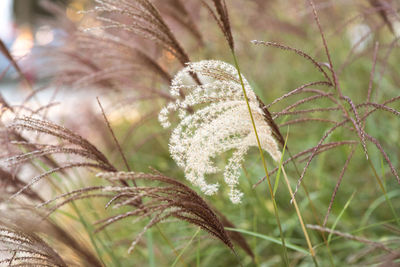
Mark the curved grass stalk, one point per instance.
(187, 245)
(360, 132)
(381, 186)
(359, 230)
(271, 239)
(75, 208)
(340, 215)
(281, 167)
(375, 204)
(285, 256)
(303, 227)
(134, 182)
(313, 209)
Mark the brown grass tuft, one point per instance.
(168, 198)
(23, 248)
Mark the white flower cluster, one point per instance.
(220, 123)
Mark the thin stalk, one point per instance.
(314, 212)
(285, 256)
(313, 209)
(198, 253)
(371, 165)
(258, 199)
(340, 215)
(388, 201)
(88, 229)
(303, 227)
(170, 244)
(339, 91)
(270, 239)
(378, 179)
(360, 230)
(109, 251)
(129, 169)
(184, 249)
(80, 217)
(281, 169)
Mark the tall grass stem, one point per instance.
(285, 256)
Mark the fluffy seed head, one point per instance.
(220, 123)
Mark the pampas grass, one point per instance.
(321, 101)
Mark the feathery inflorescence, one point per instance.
(144, 20)
(221, 16)
(26, 231)
(89, 65)
(11, 184)
(114, 54)
(160, 201)
(213, 121)
(72, 144)
(221, 123)
(75, 145)
(21, 248)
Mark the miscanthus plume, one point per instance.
(214, 119)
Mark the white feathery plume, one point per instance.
(220, 123)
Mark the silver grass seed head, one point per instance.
(220, 123)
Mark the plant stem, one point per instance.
(310, 247)
(184, 249)
(313, 209)
(170, 244)
(285, 256)
(129, 169)
(388, 201)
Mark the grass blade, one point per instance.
(271, 239)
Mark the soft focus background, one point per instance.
(27, 28)
(69, 72)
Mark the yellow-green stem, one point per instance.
(314, 211)
(303, 227)
(285, 256)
